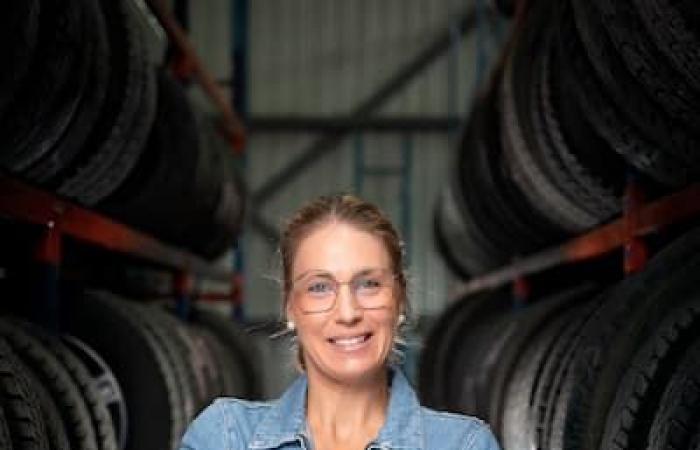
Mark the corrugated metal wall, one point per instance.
(322, 58)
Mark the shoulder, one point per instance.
(450, 430)
(224, 422)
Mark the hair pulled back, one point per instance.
(346, 209)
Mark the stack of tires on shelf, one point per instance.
(124, 375)
(615, 367)
(86, 112)
(587, 95)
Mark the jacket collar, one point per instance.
(285, 422)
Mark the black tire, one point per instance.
(232, 380)
(63, 394)
(506, 7)
(104, 382)
(455, 240)
(56, 432)
(18, 39)
(580, 148)
(429, 375)
(5, 438)
(74, 138)
(20, 403)
(670, 90)
(465, 245)
(604, 115)
(97, 407)
(650, 121)
(475, 361)
(528, 323)
(139, 363)
(639, 395)
(155, 195)
(49, 94)
(462, 389)
(632, 311)
(210, 384)
(676, 423)
(166, 333)
(437, 369)
(674, 35)
(216, 196)
(555, 369)
(217, 381)
(199, 361)
(519, 420)
(523, 153)
(504, 212)
(581, 183)
(126, 116)
(239, 345)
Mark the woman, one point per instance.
(345, 298)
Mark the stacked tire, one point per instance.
(85, 113)
(124, 375)
(587, 96)
(586, 368)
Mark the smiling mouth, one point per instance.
(350, 342)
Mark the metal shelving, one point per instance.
(27, 204)
(637, 221)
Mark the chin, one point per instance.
(351, 370)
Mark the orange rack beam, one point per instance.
(21, 202)
(648, 219)
(231, 125)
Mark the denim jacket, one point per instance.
(232, 424)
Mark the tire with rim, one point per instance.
(87, 385)
(63, 395)
(139, 363)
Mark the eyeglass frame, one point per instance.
(337, 284)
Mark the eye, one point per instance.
(319, 287)
(369, 283)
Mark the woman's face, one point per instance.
(346, 343)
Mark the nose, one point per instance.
(348, 311)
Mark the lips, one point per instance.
(350, 342)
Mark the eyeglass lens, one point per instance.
(318, 291)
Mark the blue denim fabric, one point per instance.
(229, 424)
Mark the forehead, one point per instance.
(341, 249)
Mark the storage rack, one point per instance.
(27, 204)
(638, 220)
(23, 203)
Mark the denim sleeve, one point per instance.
(483, 440)
(208, 431)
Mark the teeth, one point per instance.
(350, 341)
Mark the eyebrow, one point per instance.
(326, 274)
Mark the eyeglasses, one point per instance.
(316, 292)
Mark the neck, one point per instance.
(342, 412)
